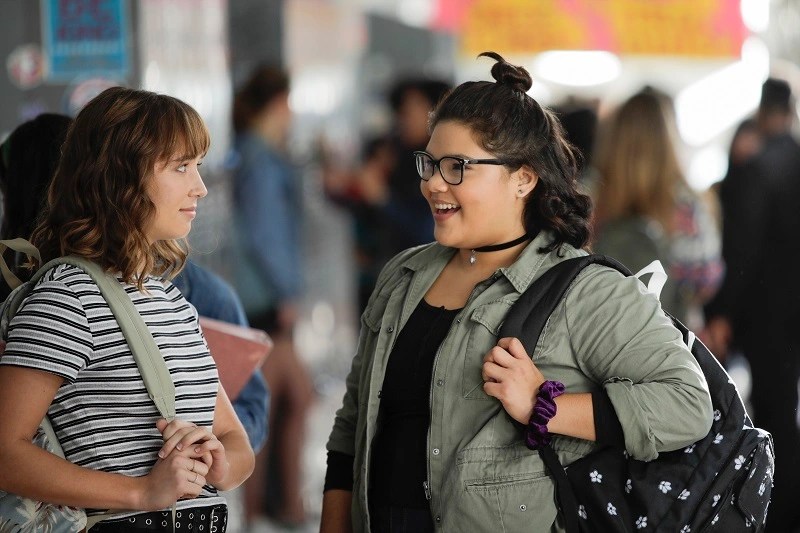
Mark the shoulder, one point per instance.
(64, 282)
(415, 258)
(405, 263)
(604, 289)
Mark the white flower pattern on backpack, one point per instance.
(738, 462)
(689, 449)
(761, 489)
(684, 494)
(582, 511)
(718, 438)
(628, 486)
(686, 529)
(716, 500)
(665, 486)
(717, 415)
(611, 509)
(596, 476)
(641, 522)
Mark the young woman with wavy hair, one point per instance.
(124, 196)
(431, 435)
(647, 211)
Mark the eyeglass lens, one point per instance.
(450, 168)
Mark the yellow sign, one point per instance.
(701, 28)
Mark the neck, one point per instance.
(495, 256)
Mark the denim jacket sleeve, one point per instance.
(269, 217)
(251, 406)
(623, 340)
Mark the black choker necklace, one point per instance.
(496, 247)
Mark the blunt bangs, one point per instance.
(184, 132)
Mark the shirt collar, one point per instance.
(520, 274)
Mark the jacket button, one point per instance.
(439, 382)
(438, 518)
(458, 321)
(523, 507)
(436, 451)
(390, 329)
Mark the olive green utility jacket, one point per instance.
(607, 332)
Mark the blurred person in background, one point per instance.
(28, 160)
(389, 214)
(407, 214)
(645, 210)
(431, 435)
(360, 192)
(25, 173)
(269, 279)
(579, 119)
(758, 306)
(746, 143)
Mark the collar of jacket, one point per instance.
(520, 274)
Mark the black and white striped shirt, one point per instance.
(102, 414)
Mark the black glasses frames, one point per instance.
(451, 168)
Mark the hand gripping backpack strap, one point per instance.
(526, 320)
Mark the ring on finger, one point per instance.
(196, 475)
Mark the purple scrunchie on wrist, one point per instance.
(544, 409)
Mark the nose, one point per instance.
(198, 187)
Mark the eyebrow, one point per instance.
(182, 158)
(460, 156)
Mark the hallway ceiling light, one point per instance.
(577, 68)
(755, 14)
(713, 104)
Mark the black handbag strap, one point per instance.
(525, 320)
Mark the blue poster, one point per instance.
(85, 38)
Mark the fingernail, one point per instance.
(197, 450)
(179, 446)
(161, 454)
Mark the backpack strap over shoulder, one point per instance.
(154, 371)
(526, 320)
(529, 314)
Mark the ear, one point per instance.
(525, 181)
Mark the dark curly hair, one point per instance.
(514, 127)
(97, 204)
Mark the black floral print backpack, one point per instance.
(720, 483)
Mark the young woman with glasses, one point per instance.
(432, 432)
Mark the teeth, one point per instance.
(445, 206)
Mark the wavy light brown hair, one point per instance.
(512, 126)
(97, 204)
(639, 170)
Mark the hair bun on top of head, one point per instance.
(505, 73)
